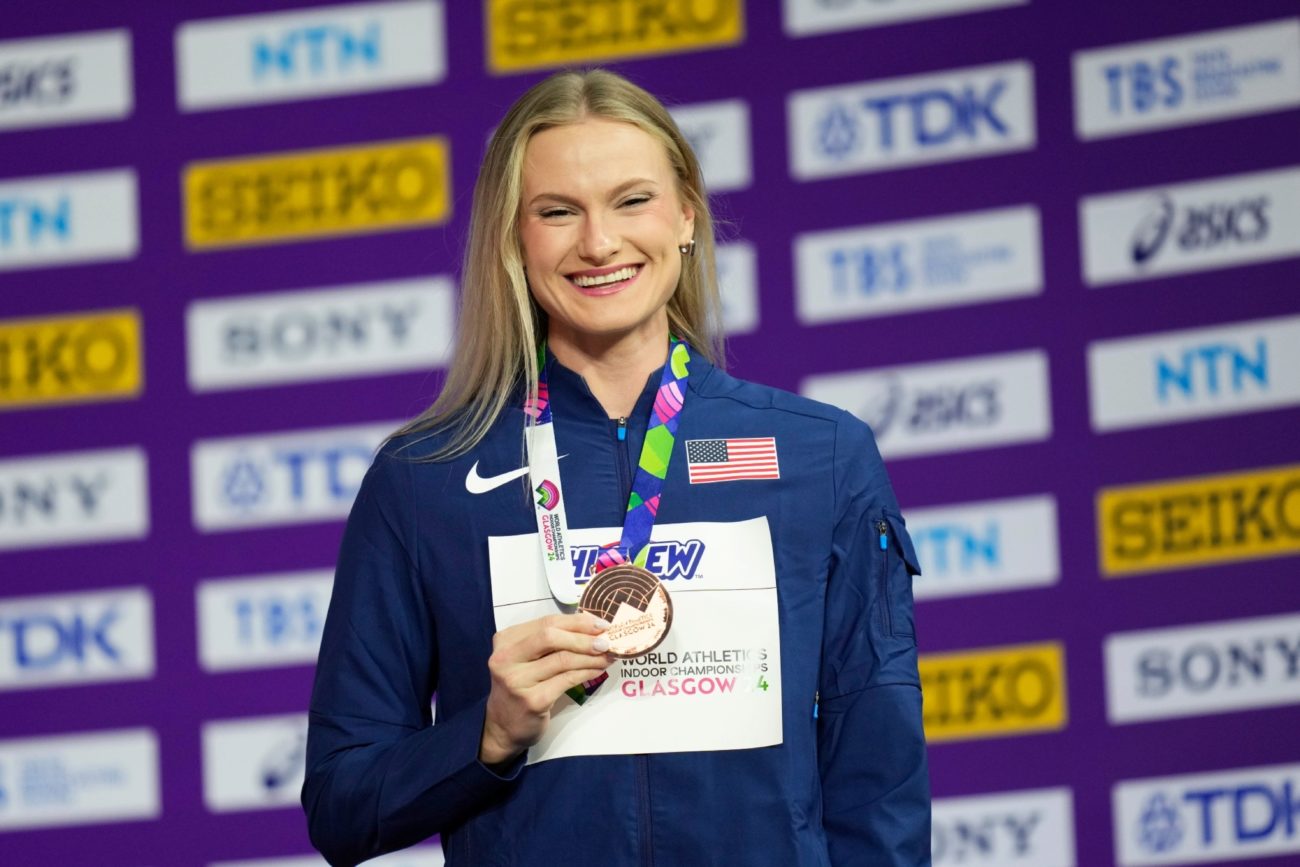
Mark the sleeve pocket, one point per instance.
(900, 564)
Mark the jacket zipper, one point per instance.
(883, 529)
(645, 844)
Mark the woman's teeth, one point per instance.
(613, 277)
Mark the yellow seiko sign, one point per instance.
(1201, 520)
(60, 359)
(304, 194)
(531, 34)
(993, 691)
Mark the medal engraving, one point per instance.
(635, 603)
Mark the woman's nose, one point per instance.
(598, 242)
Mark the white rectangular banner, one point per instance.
(737, 265)
(72, 638)
(71, 78)
(1196, 226)
(306, 53)
(946, 406)
(81, 779)
(1174, 376)
(256, 763)
(985, 547)
(1030, 828)
(1181, 80)
(319, 334)
(1229, 816)
(73, 498)
(879, 125)
(261, 622)
(718, 132)
(425, 855)
(281, 478)
(940, 262)
(807, 17)
(715, 681)
(1203, 669)
(60, 219)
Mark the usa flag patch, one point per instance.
(731, 460)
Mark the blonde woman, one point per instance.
(667, 613)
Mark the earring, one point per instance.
(687, 249)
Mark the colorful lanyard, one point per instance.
(642, 503)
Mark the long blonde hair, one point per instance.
(500, 324)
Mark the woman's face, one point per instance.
(600, 224)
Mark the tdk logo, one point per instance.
(669, 560)
(925, 118)
(75, 638)
(27, 222)
(317, 50)
(1211, 370)
(1199, 227)
(300, 474)
(50, 82)
(958, 548)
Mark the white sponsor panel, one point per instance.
(65, 79)
(256, 763)
(74, 638)
(889, 268)
(1030, 828)
(718, 132)
(946, 406)
(985, 547)
(1203, 669)
(1175, 376)
(880, 125)
(307, 53)
(1217, 74)
(1229, 816)
(60, 219)
(281, 478)
(319, 334)
(82, 779)
(1197, 226)
(806, 17)
(419, 856)
(260, 622)
(73, 498)
(738, 284)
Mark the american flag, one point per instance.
(729, 460)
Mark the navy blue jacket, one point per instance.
(412, 615)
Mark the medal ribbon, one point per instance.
(642, 503)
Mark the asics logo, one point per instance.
(476, 484)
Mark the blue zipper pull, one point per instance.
(816, 701)
(884, 535)
(622, 428)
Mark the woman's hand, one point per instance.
(532, 664)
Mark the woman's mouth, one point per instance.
(605, 282)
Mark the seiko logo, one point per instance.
(979, 693)
(50, 82)
(1199, 227)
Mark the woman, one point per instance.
(778, 719)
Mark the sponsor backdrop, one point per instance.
(1048, 250)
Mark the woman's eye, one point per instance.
(632, 201)
(548, 213)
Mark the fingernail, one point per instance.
(601, 644)
(600, 624)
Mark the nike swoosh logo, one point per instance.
(476, 484)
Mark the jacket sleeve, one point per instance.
(379, 776)
(871, 747)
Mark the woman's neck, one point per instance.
(615, 369)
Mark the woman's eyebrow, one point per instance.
(613, 194)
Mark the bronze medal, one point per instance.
(635, 603)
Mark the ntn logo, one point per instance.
(1206, 665)
(953, 547)
(669, 560)
(317, 49)
(1211, 369)
(301, 332)
(32, 221)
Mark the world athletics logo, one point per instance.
(548, 495)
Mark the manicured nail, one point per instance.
(600, 624)
(601, 644)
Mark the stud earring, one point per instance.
(687, 249)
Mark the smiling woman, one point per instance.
(687, 639)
